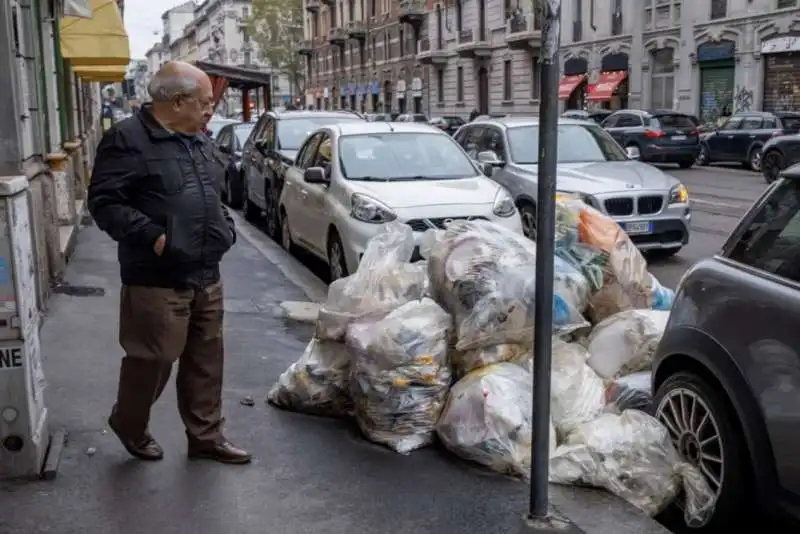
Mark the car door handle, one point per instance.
(752, 137)
(730, 137)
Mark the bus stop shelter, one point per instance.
(242, 78)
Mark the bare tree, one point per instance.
(277, 28)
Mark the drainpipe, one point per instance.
(62, 97)
(43, 107)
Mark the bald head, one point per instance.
(176, 79)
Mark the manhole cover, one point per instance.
(79, 291)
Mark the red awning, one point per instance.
(606, 84)
(567, 85)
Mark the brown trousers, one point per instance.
(157, 327)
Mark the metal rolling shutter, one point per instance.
(716, 92)
(782, 82)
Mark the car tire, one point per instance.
(754, 159)
(234, 191)
(285, 232)
(527, 213)
(250, 211)
(771, 165)
(337, 263)
(686, 164)
(702, 158)
(271, 215)
(718, 435)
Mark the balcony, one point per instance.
(429, 54)
(337, 36)
(411, 12)
(331, 3)
(306, 47)
(312, 6)
(522, 33)
(469, 47)
(356, 30)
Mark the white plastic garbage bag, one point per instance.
(630, 392)
(625, 342)
(317, 383)
(487, 419)
(401, 376)
(632, 456)
(384, 280)
(468, 361)
(485, 276)
(577, 393)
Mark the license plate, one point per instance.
(638, 227)
(679, 138)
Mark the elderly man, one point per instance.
(154, 190)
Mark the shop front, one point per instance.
(611, 89)
(352, 92)
(387, 96)
(326, 98)
(572, 86)
(416, 94)
(715, 61)
(400, 91)
(375, 92)
(781, 58)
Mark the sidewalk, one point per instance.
(310, 475)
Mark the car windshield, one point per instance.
(292, 132)
(577, 143)
(243, 132)
(403, 156)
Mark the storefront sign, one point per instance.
(716, 51)
(779, 45)
(416, 87)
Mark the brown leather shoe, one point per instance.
(145, 448)
(222, 451)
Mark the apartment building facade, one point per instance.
(362, 55)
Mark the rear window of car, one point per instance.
(791, 123)
(673, 121)
(420, 118)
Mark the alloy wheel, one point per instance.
(695, 433)
(755, 159)
(771, 166)
(528, 224)
(702, 157)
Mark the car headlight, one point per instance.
(586, 198)
(678, 195)
(503, 204)
(366, 209)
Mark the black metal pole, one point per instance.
(545, 249)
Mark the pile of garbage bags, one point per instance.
(443, 348)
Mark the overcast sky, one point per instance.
(142, 19)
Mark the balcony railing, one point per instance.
(313, 5)
(424, 45)
(518, 24)
(356, 29)
(410, 10)
(337, 35)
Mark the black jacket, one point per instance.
(147, 182)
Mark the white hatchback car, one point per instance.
(350, 178)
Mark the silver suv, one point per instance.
(651, 206)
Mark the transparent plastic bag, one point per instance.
(400, 375)
(317, 383)
(625, 342)
(487, 419)
(468, 361)
(484, 275)
(577, 394)
(632, 456)
(384, 280)
(630, 392)
(662, 297)
(571, 285)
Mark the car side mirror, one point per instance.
(488, 169)
(488, 157)
(315, 175)
(632, 152)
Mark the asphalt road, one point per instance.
(720, 196)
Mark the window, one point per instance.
(625, 120)
(402, 43)
(785, 4)
(492, 141)
(577, 143)
(791, 124)
(469, 139)
(440, 85)
(536, 79)
(719, 9)
(242, 133)
(770, 122)
(460, 84)
(459, 16)
(322, 157)
(403, 156)
(732, 124)
(751, 123)
(224, 138)
(662, 90)
(616, 17)
(306, 155)
(507, 80)
(672, 122)
(577, 21)
(292, 132)
(386, 52)
(771, 242)
(245, 13)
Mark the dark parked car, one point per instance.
(660, 136)
(727, 371)
(448, 123)
(779, 153)
(411, 117)
(596, 115)
(230, 141)
(741, 138)
(271, 147)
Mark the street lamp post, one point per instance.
(541, 517)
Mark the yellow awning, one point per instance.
(101, 73)
(100, 40)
